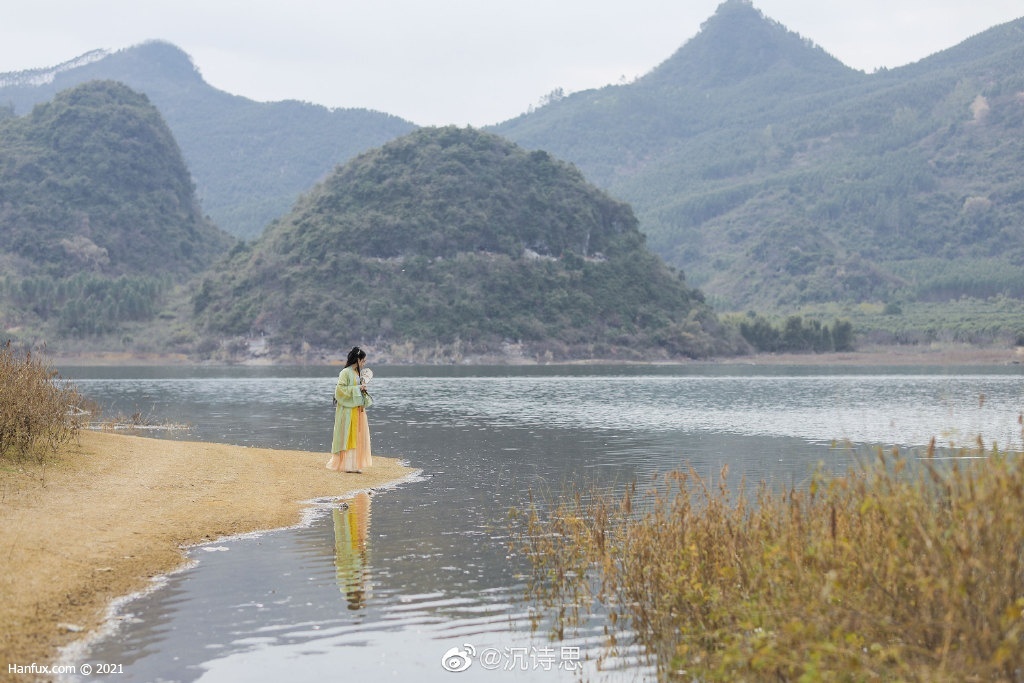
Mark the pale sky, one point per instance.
(475, 62)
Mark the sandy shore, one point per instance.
(113, 511)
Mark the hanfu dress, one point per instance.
(350, 447)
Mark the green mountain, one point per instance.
(458, 242)
(775, 177)
(250, 160)
(778, 178)
(98, 214)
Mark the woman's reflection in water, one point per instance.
(351, 523)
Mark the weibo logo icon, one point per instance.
(458, 659)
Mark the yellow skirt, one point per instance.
(350, 448)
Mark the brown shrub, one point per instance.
(38, 412)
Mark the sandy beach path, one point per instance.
(112, 511)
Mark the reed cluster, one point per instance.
(898, 570)
(38, 413)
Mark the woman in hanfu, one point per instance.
(350, 448)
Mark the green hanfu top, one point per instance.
(347, 390)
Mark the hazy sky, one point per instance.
(472, 62)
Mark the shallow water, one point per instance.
(387, 586)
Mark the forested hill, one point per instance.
(458, 242)
(777, 177)
(98, 168)
(774, 176)
(740, 70)
(95, 203)
(250, 160)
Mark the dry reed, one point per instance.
(898, 570)
(38, 413)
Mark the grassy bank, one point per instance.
(900, 570)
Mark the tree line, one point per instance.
(87, 304)
(796, 335)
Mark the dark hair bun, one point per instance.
(354, 356)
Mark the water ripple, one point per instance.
(431, 568)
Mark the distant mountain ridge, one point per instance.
(772, 174)
(777, 177)
(250, 160)
(45, 76)
(732, 74)
(766, 48)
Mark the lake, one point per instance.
(404, 582)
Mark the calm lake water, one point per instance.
(389, 584)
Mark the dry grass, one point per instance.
(38, 414)
(136, 423)
(899, 570)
